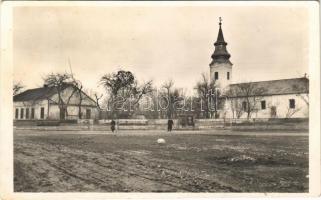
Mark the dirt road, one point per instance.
(59, 162)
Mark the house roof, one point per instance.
(279, 87)
(40, 93)
(35, 94)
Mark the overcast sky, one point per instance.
(158, 43)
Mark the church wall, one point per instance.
(222, 70)
(281, 104)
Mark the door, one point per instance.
(88, 113)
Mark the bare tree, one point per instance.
(140, 91)
(97, 99)
(17, 88)
(208, 95)
(80, 94)
(291, 111)
(251, 94)
(124, 91)
(175, 99)
(60, 82)
(304, 90)
(168, 87)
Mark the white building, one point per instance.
(266, 99)
(42, 104)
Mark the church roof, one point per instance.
(220, 37)
(277, 87)
(220, 54)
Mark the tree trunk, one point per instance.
(62, 112)
(79, 112)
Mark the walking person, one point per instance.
(170, 125)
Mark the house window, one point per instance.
(17, 113)
(32, 113)
(291, 103)
(263, 105)
(244, 105)
(42, 113)
(216, 76)
(228, 75)
(21, 113)
(27, 113)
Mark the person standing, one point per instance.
(170, 125)
(112, 125)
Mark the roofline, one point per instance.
(85, 94)
(73, 104)
(264, 95)
(48, 96)
(40, 98)
(270, 80)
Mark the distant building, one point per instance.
(265, 99)
(42, 104)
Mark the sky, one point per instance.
(159, 43)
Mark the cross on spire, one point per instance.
(220, 54)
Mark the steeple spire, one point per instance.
(220, 54)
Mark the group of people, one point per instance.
(170, 123)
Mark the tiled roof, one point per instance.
(36, 94)
(279, 87)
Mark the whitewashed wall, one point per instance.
(36, 105)
(281, 102)
(72, 111)
(74, 100)
(222, 70)
(52, 112)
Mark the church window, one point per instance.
(216, 76)
(228, 75)
(17, 113)
(291, 103)
(244, 105)
(21, 113)
(263, 105)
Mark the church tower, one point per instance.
(221, 66)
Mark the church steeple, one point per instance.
(220, 54)
(221, 67)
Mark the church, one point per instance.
(284, 98)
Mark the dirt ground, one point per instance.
(220, 161)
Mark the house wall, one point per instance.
(74, 100)
(51, 108)
(73, 108)
(72, 112)
(29, 105)
(280, 102)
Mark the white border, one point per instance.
(6, 124)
